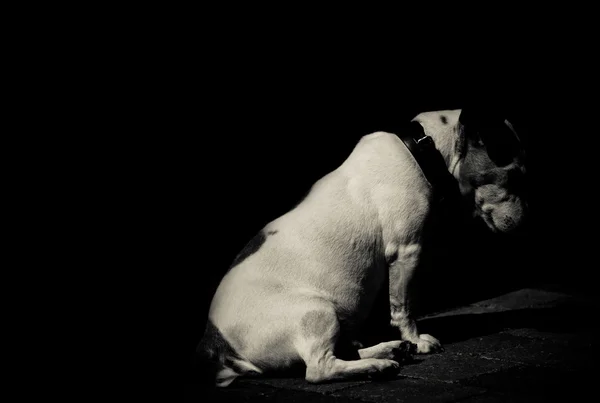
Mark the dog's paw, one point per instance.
(428, 344)
(396, 350)
(387, 365)
(399, 350)
(385, 369)
(404, 351)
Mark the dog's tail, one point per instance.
(219, 361)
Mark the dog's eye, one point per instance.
(474, 137)
(502, 146)
(516, 180)
(500, 152)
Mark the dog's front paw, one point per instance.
(428, 344)
(404, 351)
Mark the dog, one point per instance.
(300, 291)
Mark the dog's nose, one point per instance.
(487, 208)
(478, 199)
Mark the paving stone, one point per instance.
(548, 352)
(487, 344)
(452, 367)
(534, 383)
(310, 397)
(407, 390)
(496, 398)
(300, 383)
(581, 338)
(239, 392)
(246, 392)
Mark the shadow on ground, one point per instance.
(567, 318)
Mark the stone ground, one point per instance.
(531, 345)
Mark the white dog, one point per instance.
(301, 289)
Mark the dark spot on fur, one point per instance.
(252, 247)
(317, 323)
(444, 119)
(274, 287)
(213, 345)
(214, 354)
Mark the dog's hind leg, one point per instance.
(319, 332)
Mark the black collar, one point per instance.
(430, 160)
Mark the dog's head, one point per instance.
(491, 169)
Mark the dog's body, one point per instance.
(301, 290)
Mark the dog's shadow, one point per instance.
(565, 318)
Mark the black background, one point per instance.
(261, 120)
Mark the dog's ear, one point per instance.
(491, 129)
(471, 121)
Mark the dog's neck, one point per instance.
(443, 127)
